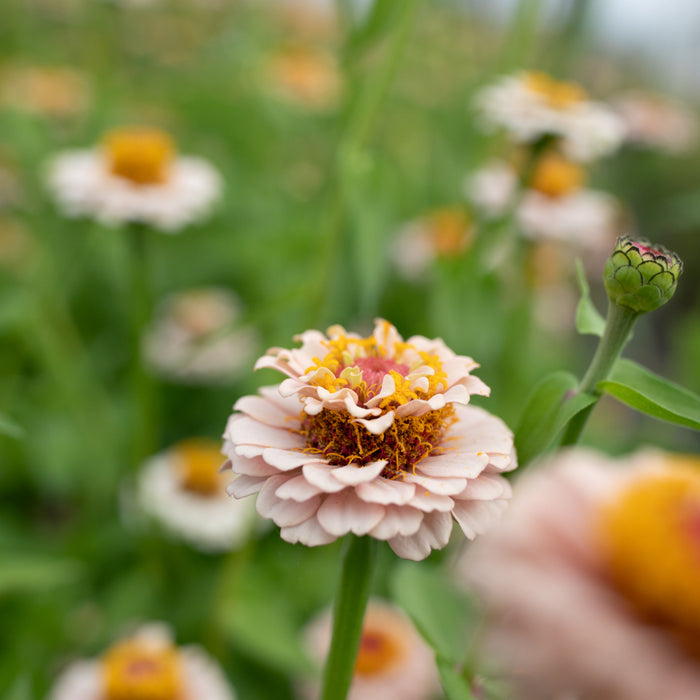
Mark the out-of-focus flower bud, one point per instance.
(640, 276)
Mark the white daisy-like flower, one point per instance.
(532, 105)
(393, 662)
(183, 490)
(655, 121)
(135, 175)
(145, 666)
(371, 436)
(443, 233)
(555, 207)
(194, 337)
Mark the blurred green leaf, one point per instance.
(259, 620)
(453, 683)
(442, 614)
(647, 392)
(9, 428)
(588, 319)
(21, 690)
(553, 403)
(29, 574)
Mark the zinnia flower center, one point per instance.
(134, 670)
(380, 649)
(141, 155)
(651, 537)
(450, 231)
(556, 176)
(198, 462)
(200, 313)
(557, 94)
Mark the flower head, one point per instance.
(591, 581)
(183, 490)
(195, 337)
(135, 175)
(371, 436)
(639, 276)
(530, 106)
(144, 666)
(393, 662)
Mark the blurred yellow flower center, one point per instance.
(198, 462)
(555, 176)
(135, 670)
(201, 313)
(141, 155)
(557, 94)
(450, 231)
(380, 649)
(651, 536)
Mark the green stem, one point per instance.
(618, 326)
(348, 614)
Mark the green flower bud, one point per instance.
(640, 276)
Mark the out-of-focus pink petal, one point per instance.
(344, 512)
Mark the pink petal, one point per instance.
(285, 460)
(252, 466)
(284, 513)
(397, 521)
(441, 487)
(264, 411)
(351, 474)
(476, 517)
(386, 491)
(453, 463)
(377, 426)
(431, 501)
(297, 489)
(309, 533)
(320, 475)
(486, 487)
(345, 512)
(247, 431)
(243, 486)
(434, 533)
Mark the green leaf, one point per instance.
(260, 621)
(10, 429)
(453, 683)
(588, 319)
(21, 690)
(443, 615)
(647, 392)
(553, 403)
(30, 574)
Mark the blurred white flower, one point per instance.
(393, 661)
(555, 206)
(194, 337)
(182, 488)
(135, 175)
(532, 105)
(442, 233)
(145, 665)
(655, 121)
(592, 580)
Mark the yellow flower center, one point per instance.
(555, 176)
(197, 462)
(310, 76)
(135, 670)
(141, 155)
(379, 650)
(450, 231)
(557, 94)
(651, 536)
(200, 312)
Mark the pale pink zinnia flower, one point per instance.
(393, 661)
(144, 665)
(592, 580)
(371, 436)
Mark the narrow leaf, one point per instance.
(649, 393)
(553, 403)
(442, 614)
(588, 319)
(453, 683)
(10, 429)
(29, 574)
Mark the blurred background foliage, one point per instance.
(314, 194)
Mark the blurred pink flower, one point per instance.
(371, 436)
(557, 624)
(393, 662)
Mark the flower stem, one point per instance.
(348, 613)
(618, 327)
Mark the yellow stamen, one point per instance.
(450, 230)
(136, 670)
(651, 537)
(198, 462)
(141, 155)
(556, 176)
(558, 94)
